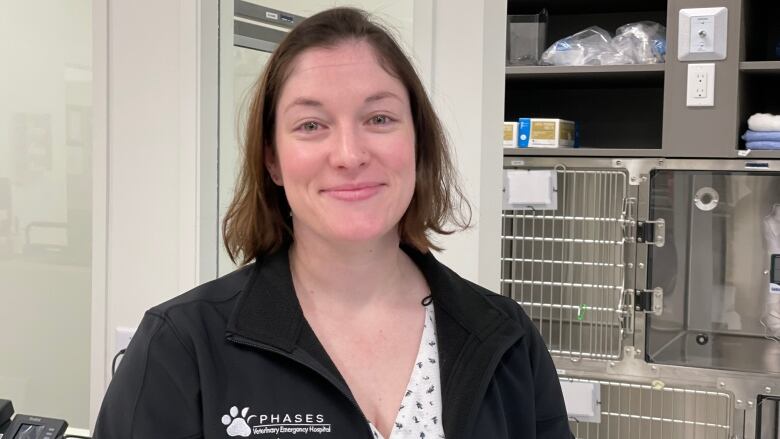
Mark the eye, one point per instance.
(309, 127)
(380, 119)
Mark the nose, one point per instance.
(350, 150)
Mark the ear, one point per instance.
(272, 166)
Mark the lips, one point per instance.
(353, 192)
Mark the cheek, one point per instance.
(406, 167)
(296, 165)
(401, 156)
(410, 164)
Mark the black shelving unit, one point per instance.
(616, 107)
(569, 16)
(761, 30)
(759, 93)
(759, 70)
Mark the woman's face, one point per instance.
(345, 145)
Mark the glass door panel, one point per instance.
(46, 207)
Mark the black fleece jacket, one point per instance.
(235, 357)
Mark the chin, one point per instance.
(356, 232)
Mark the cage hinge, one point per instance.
(651, 232)
(649, 301)
(625, 313)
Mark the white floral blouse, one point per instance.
(420, 414)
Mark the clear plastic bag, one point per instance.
(644, 42)
(591, 46)
(635, 43)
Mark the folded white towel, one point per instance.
(764, 122)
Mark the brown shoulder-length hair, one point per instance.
(258, 220)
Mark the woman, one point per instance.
(345, 315)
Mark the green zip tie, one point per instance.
(581, 311)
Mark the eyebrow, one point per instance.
(308, 102)
(382, 95)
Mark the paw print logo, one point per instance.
(237, 426)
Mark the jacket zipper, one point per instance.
(245, 342)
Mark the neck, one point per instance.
(350, 275)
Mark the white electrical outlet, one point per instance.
(701, 85)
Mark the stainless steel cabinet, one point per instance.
(650, 278)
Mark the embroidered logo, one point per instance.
(237, 426)
(273, 423)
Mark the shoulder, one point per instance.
(506, 305)
(466, 297)
(217, 290)
(476, 299)
(218, 295)
(192, 318)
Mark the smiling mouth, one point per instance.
(354, 193)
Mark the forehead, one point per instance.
(352, 64)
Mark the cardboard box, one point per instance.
(510, 134)
(545, 133)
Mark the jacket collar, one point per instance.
(268, 310)
(472, 332)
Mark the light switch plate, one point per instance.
(702, 34)
(701, 85)
(123, 337)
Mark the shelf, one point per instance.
(758, 93)
(609, 114)
(567, 17)
(761, 154)
(626, 71)
(622, 152)
(618, 108)
(581, 152)
(760, 67)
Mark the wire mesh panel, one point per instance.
(646, 412)
(565, 266)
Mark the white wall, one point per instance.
(468, 90)
(155, 82)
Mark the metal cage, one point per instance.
(656, 412)
(617, 254)
(565, 266)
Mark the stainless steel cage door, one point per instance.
(631, 410)
(566, 266)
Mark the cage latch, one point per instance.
(651, 232)
(649, 301)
